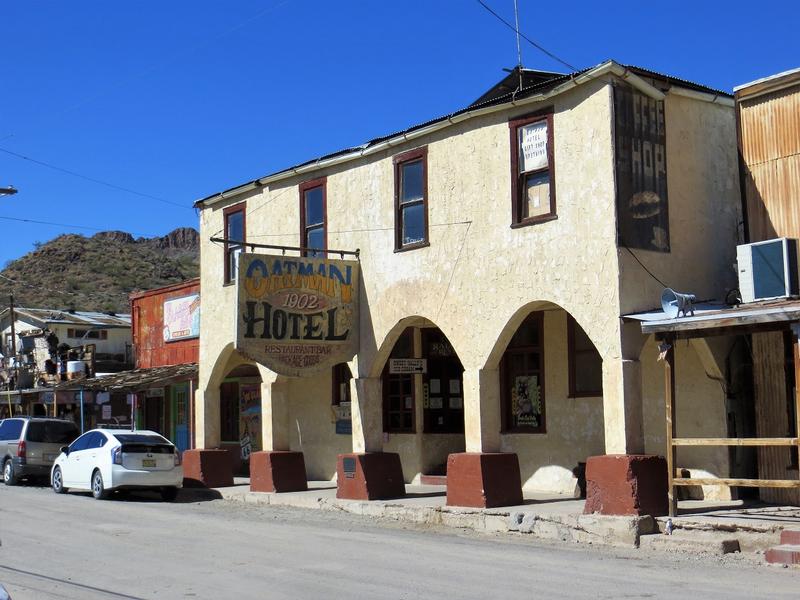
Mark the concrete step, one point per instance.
(787, 554)
(696, 542)
(790, 536)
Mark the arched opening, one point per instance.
(551, 397)
(423, 400)
(240, 415)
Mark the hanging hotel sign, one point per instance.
(297, 315)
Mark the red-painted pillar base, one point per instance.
(369, 476)
(626, 484)
(207, 468)
(483, 480)
(277, 471)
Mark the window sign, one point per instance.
(526, 406)
(533, 147)
(249, 419)
(407, 365)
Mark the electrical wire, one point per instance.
(649, 272)
(92, 179)
(86, 227)
(526, 38)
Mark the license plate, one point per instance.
(50, 456)
(148, 462)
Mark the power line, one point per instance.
(92, 179)
(649, 272)
(526, 38)
(86, 227)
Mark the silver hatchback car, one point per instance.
(29, 445)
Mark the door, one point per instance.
(76, 470)
(180, 416)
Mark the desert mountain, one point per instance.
(98, 272)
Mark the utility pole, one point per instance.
(14, 342)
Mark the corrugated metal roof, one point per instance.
(134, 380)
(81, 318)
(719, 316)
(539, 82)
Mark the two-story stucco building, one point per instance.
(498, 248)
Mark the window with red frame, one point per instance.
(411, 199)
(313, 227)
(522, 378)
(533, 171)
(234, 239)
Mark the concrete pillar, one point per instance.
(206, 410)
(482, 410)
(622, 406)
(275, 415)
(622, 394)
(366, 394)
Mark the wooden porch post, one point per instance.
(796, 331)
(669, 401)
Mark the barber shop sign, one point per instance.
(297, 315)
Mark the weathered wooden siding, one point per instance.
(147, 314)
(772, 416)
(769, 127)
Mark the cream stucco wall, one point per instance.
(479, 278)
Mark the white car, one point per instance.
(103, 460)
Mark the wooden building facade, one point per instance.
(768, 124)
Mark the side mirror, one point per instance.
(65, 449)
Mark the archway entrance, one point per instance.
(423, 402)
(240, 416)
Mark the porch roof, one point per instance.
(133, 381)
(711, 319)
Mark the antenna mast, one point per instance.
(519, 47)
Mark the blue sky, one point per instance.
(178, 100)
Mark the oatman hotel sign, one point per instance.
(297, 315)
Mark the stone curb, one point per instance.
(588, 529)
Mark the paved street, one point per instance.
(138, 547)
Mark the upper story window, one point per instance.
(533, 189)
(411, 199)
(313, 227)
(234, 239)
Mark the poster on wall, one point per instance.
(526, 406)
(297, 315)
(182, 318)
(249, 419)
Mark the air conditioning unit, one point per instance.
(768, 270)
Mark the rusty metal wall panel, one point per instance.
(770, 149)
(148, 331)
(772, 417)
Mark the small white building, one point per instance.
(110, 333)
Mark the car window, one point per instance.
(11, 429)
(99, 440)
(82, 443)
(52, 432)
(141, 438)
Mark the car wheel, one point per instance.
(168, 494)
(58, 481)
(98, 489)
(9, 476)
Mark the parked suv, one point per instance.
(29, 445)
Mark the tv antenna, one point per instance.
(519, 46)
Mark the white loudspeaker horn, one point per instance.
(673, 303)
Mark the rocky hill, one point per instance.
(99, 272)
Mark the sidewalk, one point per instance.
(701, 527)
